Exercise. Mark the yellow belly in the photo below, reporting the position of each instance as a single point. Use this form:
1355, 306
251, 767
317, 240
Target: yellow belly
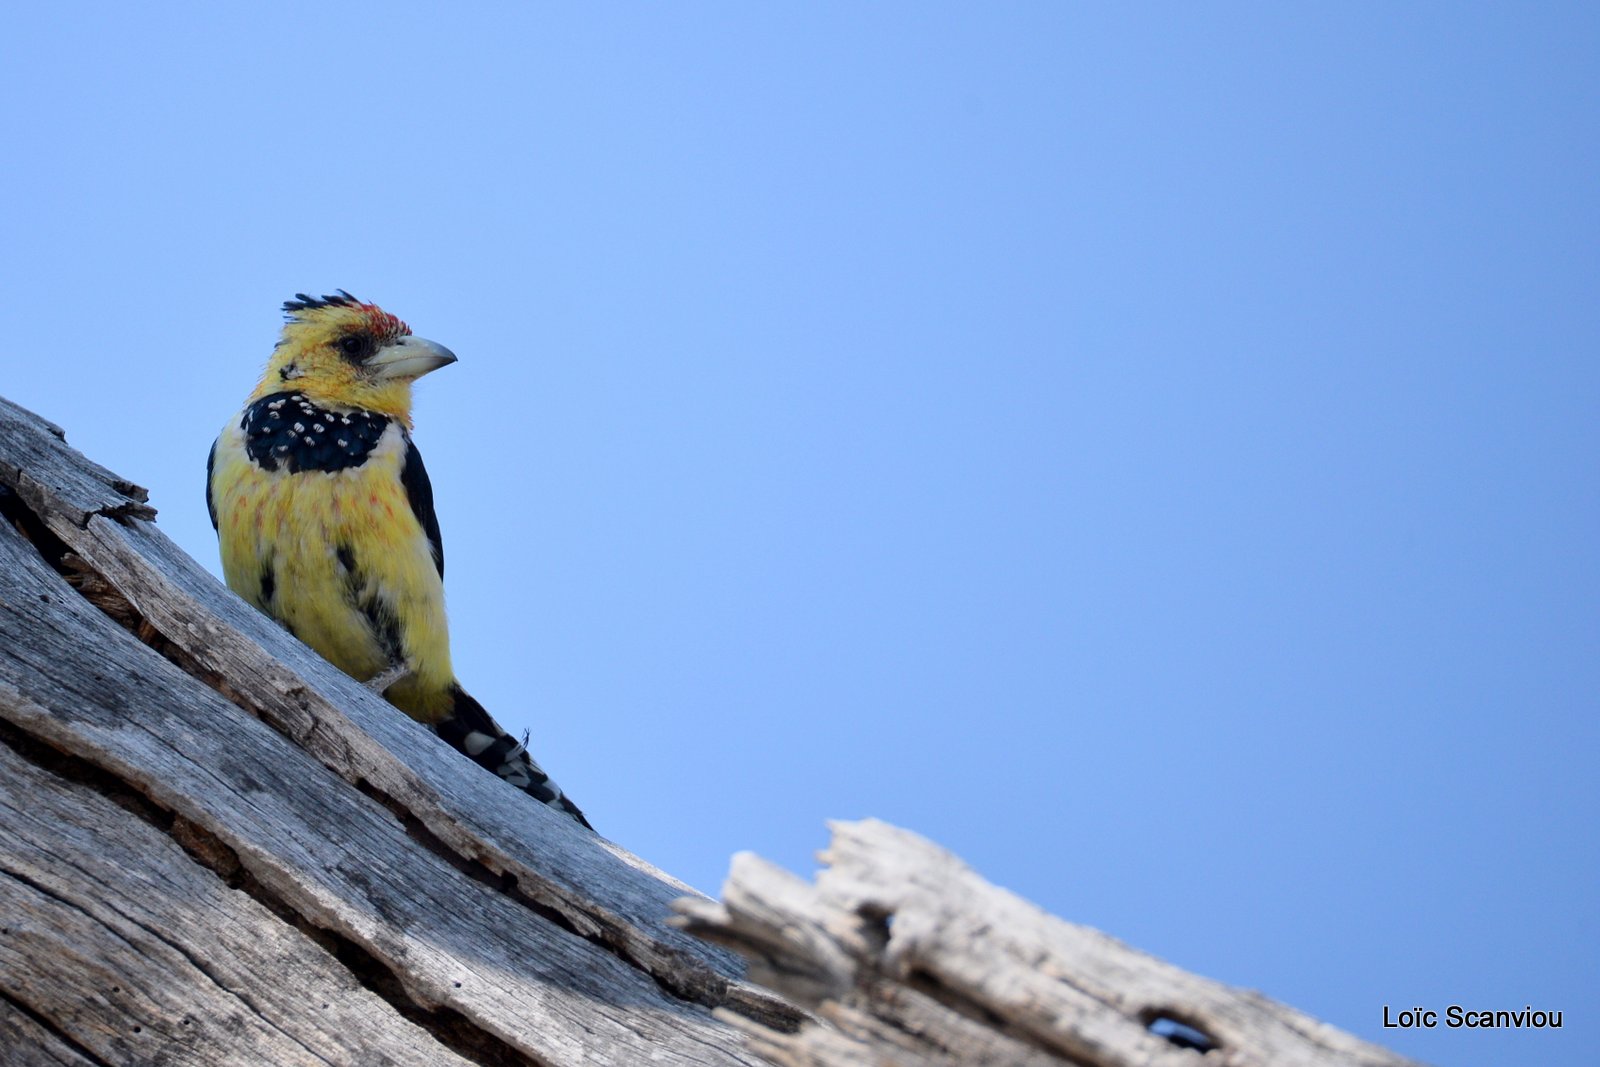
340, 560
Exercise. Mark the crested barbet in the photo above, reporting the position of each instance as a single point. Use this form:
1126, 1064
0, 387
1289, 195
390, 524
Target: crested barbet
324, 515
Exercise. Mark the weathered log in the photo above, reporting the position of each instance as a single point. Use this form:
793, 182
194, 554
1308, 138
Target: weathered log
215, 848
481, 924
907, 957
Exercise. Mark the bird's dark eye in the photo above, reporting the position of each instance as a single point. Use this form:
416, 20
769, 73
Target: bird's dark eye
355, 346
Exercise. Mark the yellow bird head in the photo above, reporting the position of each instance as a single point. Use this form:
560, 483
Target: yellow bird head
339, 351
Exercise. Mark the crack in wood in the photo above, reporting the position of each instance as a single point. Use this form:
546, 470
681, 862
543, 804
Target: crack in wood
449, 1027
506, 883
49, 1027
930, 986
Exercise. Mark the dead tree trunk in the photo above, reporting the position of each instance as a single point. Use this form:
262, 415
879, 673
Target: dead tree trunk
215, 848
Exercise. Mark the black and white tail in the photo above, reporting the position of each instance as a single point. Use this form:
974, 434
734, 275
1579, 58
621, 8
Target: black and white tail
471, 731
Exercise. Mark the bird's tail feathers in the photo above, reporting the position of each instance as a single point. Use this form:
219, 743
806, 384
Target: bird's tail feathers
469, 729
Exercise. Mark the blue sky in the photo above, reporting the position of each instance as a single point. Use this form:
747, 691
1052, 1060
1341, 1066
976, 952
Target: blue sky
1149, 450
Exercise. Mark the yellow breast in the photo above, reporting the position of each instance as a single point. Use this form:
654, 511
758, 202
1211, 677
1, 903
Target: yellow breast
339, 558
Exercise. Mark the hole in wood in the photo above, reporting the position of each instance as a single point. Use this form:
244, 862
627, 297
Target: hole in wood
876, 926
1183, 1034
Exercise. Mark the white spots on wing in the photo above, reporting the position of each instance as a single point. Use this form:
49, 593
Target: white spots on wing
476, 742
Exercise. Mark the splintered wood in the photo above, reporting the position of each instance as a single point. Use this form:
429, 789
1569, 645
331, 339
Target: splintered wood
907, 957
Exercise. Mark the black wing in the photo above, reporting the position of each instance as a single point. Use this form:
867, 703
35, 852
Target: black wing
419, 491
211, 463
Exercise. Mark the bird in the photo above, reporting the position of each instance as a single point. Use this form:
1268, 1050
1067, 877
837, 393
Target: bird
325, 520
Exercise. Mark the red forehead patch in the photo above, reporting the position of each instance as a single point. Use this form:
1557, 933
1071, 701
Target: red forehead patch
383, 323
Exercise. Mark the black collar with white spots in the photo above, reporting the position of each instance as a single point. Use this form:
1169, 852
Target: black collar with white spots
287, 430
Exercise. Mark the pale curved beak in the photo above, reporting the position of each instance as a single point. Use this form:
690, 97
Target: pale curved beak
407, 358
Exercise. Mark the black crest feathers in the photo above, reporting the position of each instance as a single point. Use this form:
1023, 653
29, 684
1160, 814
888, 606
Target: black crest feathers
302, 302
